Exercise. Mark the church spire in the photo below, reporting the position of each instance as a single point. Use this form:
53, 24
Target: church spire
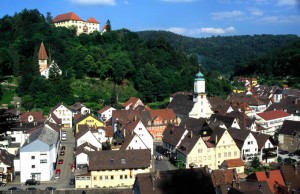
42, 52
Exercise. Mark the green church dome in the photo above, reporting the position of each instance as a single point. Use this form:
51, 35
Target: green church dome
199, 77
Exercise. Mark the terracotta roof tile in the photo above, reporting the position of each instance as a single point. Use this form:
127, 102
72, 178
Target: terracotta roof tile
66, 17
37, 116
290, 127
275, 114
104, 109
234, 162
132, 101
93, 20
109, 131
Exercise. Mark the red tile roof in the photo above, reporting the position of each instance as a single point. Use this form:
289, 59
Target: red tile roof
109, 131
42, 52
275, 114
234, 163
104, 109
37, 116
166, 114
66, 17
93, 20
132, 101
274, 176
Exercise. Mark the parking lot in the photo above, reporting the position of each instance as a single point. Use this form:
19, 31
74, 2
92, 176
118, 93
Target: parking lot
65, 168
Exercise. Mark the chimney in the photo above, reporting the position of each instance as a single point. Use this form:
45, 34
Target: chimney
191, 134
296, 168
153, 181
268, 174
124, 133
216, 139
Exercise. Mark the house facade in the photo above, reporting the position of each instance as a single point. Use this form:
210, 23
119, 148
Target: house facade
113, 168
38, 155
289, 136
105, 113
88, 120
62, 115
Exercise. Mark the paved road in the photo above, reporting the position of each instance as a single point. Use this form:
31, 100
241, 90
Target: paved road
66, 172
164, 164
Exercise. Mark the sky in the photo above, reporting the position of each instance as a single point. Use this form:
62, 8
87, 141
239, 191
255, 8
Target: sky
193, 18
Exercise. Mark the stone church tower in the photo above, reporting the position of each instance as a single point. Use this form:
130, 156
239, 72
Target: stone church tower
43, 58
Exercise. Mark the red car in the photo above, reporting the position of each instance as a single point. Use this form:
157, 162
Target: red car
57, 171
61, 161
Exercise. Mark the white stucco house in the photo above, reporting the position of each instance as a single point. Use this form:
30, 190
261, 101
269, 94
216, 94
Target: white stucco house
272, 120
81, 154
138, 136
105, 113
85, 135
62, 115
38, 155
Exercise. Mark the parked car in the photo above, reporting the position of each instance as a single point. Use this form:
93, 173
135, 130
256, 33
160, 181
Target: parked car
72, 181
31, 189
32, 182
62, 153
281, 152
14, 189
285, 152
2, 184
57, 171
61, 161
57, 176
291, 154
63, 147
50, 188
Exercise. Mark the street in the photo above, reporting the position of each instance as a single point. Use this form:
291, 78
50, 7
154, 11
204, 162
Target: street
161, 164
66, 173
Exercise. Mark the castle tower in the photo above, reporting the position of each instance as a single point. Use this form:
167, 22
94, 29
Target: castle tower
43, 58
199, 88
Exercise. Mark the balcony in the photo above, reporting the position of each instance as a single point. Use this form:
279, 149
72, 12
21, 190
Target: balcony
269, 156
266, 150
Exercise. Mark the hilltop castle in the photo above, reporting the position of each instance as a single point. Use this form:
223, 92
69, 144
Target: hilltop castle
71, 19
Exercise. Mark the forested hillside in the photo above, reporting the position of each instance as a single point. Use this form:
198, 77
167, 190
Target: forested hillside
224, 54
97, 69
106, 69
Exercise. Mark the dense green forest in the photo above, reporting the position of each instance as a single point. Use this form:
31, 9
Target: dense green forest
106, 69
225, 54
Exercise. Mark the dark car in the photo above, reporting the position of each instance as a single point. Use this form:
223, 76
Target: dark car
63, 147
32, 182
72, 181
50, 188
285, 152
2, 184
31, 189
13, 189
291, 154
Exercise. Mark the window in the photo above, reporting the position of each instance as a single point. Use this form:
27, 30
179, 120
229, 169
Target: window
140, 128
229, 154
43, 161
225, 154
250, 142
125, 176
32, 166
199, 150
219, 155
100, 177
95, 178
106, 177
32, 157
123, 161
121, 176
112, 177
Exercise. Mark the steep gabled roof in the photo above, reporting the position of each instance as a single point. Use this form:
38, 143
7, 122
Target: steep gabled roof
271, 115
6, 158
104, 109
262, 139
76, 107
291, 176
188, 143
290, 127
182, 104
42, 52
132, 101
173, 134
84, 117
165, 114
66, 17
37, 116
227, 120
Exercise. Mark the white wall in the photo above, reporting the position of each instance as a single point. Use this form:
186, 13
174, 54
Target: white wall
89, 137
145, 136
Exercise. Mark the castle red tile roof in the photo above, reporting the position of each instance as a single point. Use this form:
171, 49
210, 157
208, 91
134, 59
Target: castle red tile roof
66, 17
42, 52
93, 20
234, 162
271, 115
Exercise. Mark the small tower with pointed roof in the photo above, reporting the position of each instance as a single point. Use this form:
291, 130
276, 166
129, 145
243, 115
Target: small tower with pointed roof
43, 58
199, 87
